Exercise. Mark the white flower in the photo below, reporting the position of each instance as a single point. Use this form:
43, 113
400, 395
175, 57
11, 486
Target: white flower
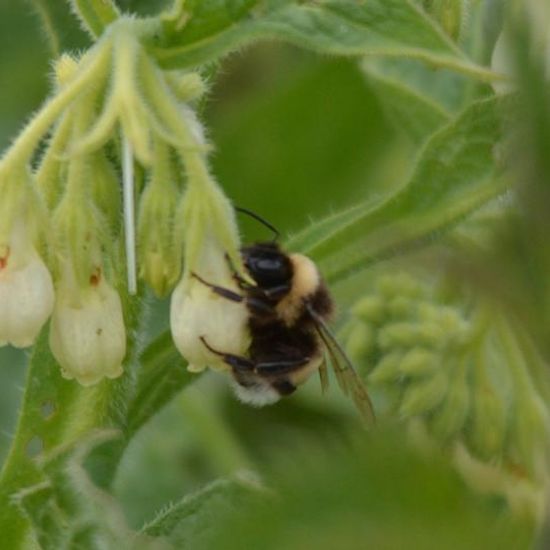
197, 311
26, 289
87, 334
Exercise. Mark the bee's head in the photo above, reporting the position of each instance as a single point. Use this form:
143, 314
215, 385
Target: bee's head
267, 264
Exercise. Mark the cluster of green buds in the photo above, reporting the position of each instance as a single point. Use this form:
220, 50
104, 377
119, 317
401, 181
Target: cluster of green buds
462, 376
118, 128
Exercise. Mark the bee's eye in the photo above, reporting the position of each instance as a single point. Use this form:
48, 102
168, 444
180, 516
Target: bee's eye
268, 269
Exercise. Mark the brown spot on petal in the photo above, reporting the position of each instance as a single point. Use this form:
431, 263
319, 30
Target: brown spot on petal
4, 255
99, 331
95, 277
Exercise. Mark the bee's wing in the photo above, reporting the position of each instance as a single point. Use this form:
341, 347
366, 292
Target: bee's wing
349, 381
323, 374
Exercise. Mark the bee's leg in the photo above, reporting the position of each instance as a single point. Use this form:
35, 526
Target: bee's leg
240, 363
257, 305
237, 362
220, 290
276, 292
242, 282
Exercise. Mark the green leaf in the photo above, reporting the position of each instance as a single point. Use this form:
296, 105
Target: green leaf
417, 100
395, 28
144, 8
377, 493
56, 411
454, 175
39, 505
69, 511
162, 375
95, 15
188, 521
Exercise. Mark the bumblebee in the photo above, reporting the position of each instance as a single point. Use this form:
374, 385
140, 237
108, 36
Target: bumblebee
288, 305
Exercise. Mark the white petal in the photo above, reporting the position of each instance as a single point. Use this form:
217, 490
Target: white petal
197, 312
26, 299
89, 341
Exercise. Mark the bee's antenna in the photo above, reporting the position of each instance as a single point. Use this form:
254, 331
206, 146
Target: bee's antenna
258, 218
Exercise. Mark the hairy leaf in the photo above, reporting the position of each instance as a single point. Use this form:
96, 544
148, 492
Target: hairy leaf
187, 522
416, 99
205, 31
69, 511
454, 175
375, 494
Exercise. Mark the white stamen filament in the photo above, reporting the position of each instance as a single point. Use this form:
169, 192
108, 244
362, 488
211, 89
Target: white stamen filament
129, 214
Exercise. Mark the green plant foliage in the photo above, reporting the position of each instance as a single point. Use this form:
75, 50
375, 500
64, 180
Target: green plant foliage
332, 497
393, 28
453, 176
188, 522
305, 127
162, 375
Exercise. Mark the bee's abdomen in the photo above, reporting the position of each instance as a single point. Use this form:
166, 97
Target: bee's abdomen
276, 340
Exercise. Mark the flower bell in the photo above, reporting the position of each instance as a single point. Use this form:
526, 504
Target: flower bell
87, 334
197, 312
26, 289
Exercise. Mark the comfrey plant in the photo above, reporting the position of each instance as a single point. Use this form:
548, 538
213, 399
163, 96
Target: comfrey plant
108, 202
114, 102
463, 377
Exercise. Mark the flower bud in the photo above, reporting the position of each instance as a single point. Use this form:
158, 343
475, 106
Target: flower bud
387, 368
423, 396
26, 289
450, 417
159, 254
65, 68
359, 342
531, 428
87, 334
419, 362
186, 86
489, 422
370, 309
401, 306
402, 334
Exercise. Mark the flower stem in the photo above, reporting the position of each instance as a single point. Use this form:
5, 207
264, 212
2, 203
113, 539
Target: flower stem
129, 214
22, 149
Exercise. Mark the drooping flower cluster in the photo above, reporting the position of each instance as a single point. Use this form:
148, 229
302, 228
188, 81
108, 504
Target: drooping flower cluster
462, 377
62, 184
